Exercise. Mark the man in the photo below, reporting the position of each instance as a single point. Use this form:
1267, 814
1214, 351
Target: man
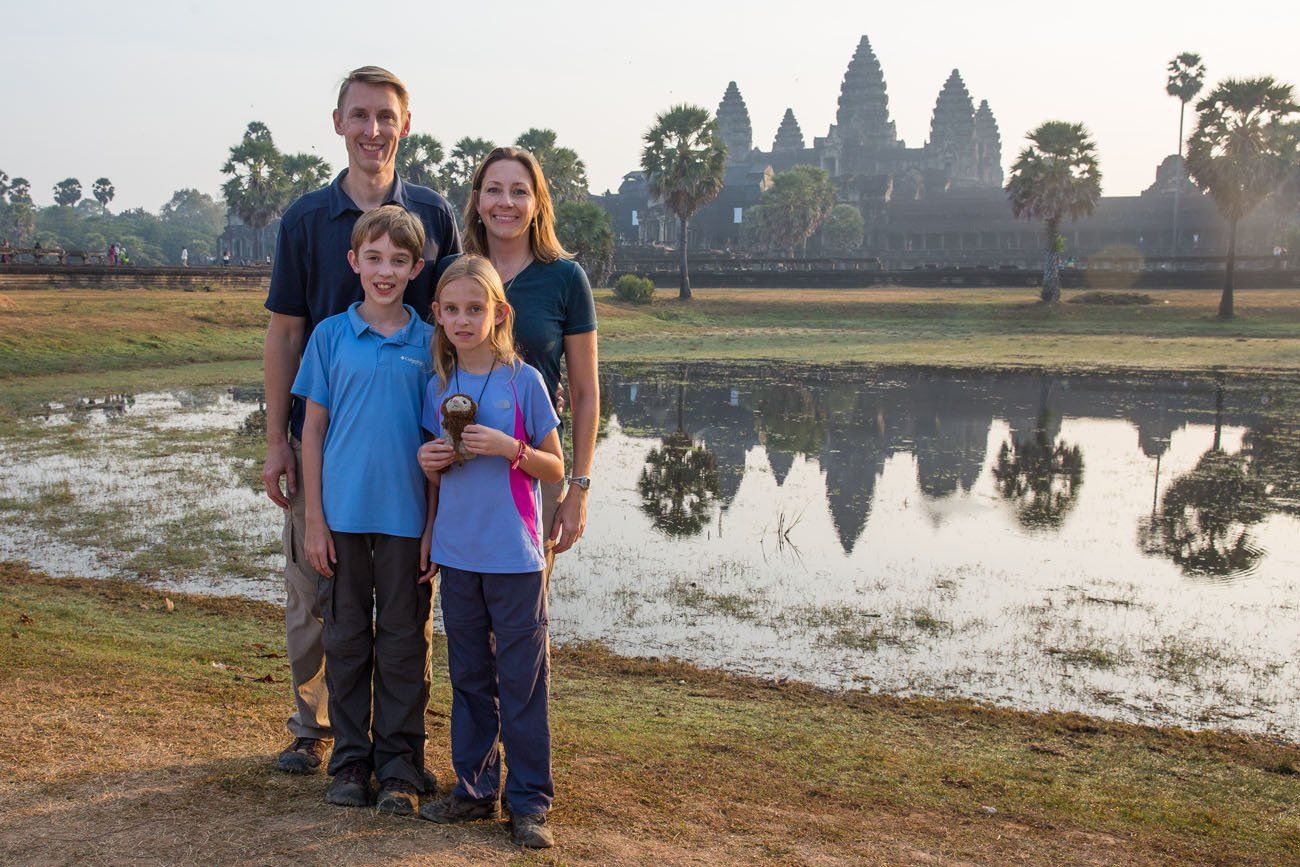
311, 280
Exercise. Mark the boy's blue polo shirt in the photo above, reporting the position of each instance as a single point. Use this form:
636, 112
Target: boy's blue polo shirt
373, 387
312, 278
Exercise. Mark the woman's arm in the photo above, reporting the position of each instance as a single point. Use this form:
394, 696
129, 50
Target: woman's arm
580, 357
319, 544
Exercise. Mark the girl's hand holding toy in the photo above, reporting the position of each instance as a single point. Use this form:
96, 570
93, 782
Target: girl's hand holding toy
482, 440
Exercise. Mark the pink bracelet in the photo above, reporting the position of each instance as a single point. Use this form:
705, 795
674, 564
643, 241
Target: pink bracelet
514, 465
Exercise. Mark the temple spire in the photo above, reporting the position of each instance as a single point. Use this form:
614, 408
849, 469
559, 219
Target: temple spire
952, 131
863, 115
988, 146
733, 124
788, 136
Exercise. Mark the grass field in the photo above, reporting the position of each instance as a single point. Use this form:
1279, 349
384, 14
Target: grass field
139, 731
49, 331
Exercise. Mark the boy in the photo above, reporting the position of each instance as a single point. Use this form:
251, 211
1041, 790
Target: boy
362, 378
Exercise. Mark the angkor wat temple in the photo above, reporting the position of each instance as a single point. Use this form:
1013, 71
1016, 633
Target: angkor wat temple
940, 203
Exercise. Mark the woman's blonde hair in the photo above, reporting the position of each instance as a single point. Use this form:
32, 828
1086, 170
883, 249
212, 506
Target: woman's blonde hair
542, 240
502, 339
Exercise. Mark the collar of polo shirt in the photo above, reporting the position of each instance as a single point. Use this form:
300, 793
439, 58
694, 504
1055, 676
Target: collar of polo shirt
341, 203
407, 335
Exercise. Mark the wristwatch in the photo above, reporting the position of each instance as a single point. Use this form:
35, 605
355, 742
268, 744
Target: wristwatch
583, 482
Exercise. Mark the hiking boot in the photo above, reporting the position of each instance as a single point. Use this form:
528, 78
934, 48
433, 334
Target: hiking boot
531, 832
452, 809
429, 782
350, 786
303, 756
397, 798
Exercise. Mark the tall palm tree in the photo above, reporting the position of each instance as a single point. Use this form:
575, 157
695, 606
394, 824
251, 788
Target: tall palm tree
684, 160
1243, 148
566, 173
795, 205
258, 187
418, 157
104, 192
1056, 178
305, 172
458, 172
1186, 77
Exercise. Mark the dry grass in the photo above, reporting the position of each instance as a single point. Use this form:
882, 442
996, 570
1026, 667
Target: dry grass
124, 743
62, 331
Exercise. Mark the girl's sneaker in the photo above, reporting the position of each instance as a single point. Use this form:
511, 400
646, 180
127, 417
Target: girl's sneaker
531, 832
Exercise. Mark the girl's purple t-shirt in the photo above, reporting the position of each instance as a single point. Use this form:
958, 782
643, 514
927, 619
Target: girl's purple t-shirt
490, 516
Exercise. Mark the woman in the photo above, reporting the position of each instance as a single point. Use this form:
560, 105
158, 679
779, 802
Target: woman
510, 219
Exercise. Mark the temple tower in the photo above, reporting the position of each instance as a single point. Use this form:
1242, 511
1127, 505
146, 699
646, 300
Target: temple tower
988, 146
789, 138
733, 125
862, 120
952, 132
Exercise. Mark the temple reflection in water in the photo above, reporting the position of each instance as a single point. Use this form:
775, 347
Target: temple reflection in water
851, 421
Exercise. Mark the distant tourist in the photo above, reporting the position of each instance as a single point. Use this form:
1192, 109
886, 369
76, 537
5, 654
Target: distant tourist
112, 253
185, 257
310, 282
225, 257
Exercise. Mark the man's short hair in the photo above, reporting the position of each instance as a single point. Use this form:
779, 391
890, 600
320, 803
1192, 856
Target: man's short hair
375, 75
402, 227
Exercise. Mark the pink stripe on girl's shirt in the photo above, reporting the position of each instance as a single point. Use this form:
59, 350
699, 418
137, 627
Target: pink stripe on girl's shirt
521, 484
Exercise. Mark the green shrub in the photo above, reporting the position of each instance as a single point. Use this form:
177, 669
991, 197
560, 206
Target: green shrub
634, 289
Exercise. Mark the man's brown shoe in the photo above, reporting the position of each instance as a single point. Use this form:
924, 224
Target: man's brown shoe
397, 798
303, 756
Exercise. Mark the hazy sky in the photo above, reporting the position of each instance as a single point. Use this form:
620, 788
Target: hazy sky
153, 94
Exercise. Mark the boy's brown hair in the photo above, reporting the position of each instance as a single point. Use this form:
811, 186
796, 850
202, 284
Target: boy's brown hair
375, 75
402, 227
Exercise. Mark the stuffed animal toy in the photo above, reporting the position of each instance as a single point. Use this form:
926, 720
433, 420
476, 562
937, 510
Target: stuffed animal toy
458, 412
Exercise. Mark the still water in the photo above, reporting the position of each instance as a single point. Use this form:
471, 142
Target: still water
1120, 547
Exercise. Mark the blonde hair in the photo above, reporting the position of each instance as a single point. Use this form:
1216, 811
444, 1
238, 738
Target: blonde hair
402, 227
375, 75
542, 240
502, 339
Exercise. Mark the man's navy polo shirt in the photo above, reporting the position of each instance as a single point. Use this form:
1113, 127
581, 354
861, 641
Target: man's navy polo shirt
312, 277
373, 387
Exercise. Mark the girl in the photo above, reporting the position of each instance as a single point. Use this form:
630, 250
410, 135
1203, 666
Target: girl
496, 437
510, 220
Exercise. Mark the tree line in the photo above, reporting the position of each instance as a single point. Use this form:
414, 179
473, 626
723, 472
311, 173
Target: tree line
188, 220
263, 182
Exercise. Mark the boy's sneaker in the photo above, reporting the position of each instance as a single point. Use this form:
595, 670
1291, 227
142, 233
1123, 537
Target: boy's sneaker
303, 756
452, 809
350, 786
531, 832
397, 797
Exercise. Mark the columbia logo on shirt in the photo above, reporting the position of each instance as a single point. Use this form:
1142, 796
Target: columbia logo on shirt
418, 362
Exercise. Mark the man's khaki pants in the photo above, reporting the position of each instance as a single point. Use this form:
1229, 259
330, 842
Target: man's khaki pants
304, 623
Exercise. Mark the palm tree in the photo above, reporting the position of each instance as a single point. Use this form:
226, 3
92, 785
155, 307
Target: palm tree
566, 173
1242, 150
458, 172
1056, 178
67, 191
104, 192
1186, 76
258, 186
683, 160
418, 158
304, 172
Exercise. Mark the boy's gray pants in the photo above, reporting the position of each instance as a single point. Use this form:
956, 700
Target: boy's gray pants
304, 623
376, 615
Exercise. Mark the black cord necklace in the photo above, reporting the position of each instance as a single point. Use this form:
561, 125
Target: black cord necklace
483, 391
